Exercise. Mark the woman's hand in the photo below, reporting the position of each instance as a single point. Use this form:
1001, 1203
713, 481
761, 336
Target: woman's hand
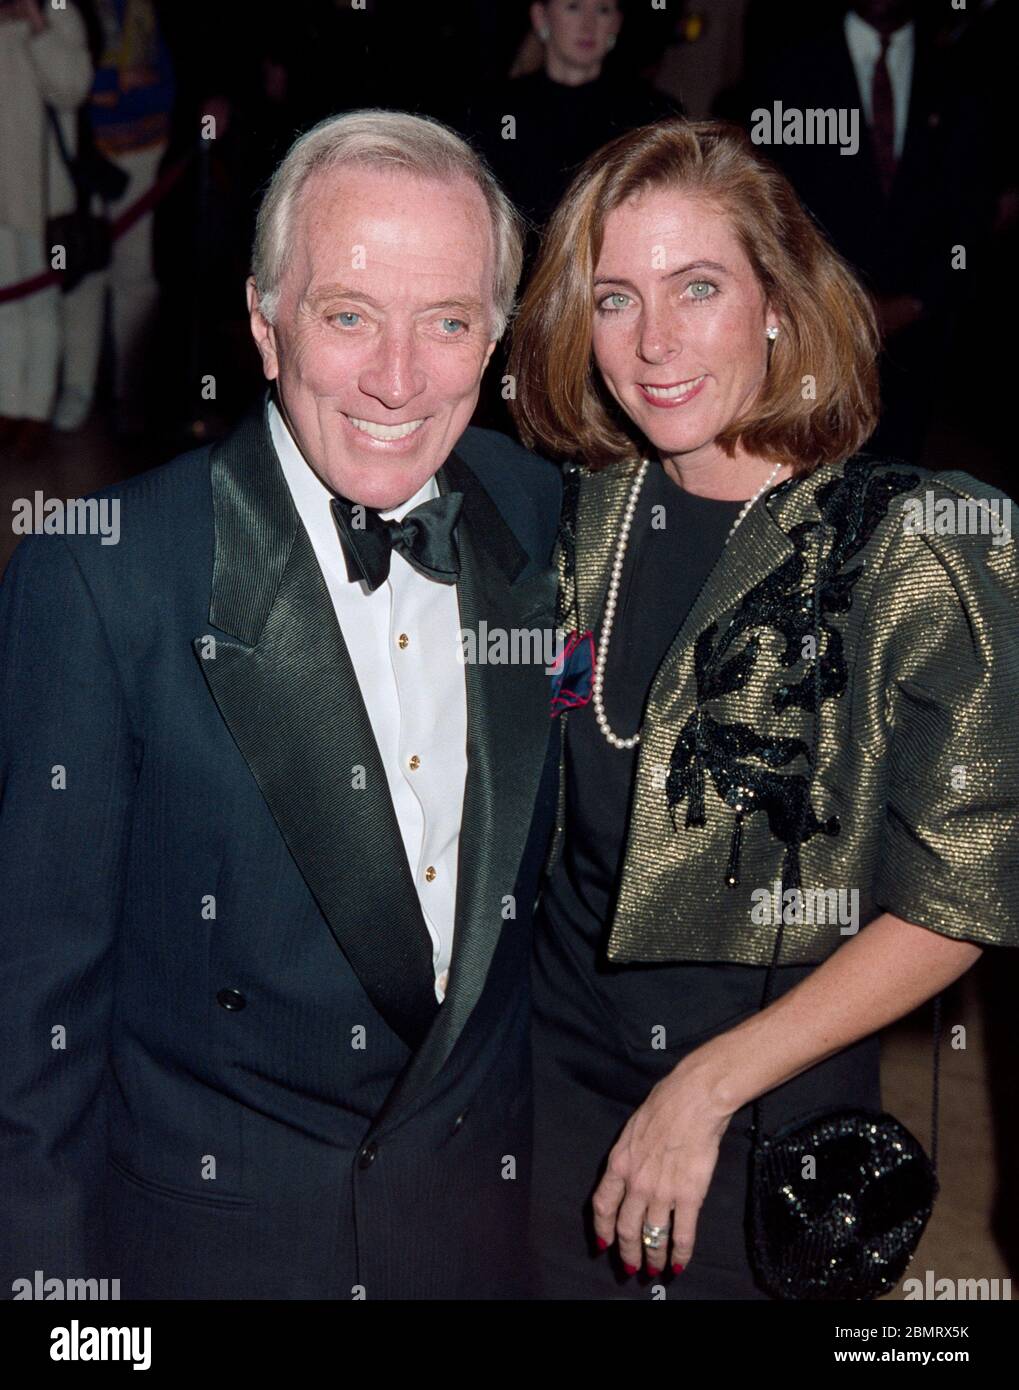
664, 1159
660, 1169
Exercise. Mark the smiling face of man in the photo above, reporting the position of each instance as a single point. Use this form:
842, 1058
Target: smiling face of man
383, 327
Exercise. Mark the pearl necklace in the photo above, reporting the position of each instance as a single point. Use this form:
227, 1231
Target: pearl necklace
613, 594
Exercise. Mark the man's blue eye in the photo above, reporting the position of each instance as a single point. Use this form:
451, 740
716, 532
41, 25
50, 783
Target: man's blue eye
451, 326
345, 315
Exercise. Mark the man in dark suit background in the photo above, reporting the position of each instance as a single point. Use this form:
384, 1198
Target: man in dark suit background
919, 186
269, 843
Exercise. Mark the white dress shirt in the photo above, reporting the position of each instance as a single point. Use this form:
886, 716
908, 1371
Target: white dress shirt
404, 643
865, 48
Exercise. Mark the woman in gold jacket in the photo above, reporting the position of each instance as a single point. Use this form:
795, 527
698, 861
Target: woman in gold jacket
803, 707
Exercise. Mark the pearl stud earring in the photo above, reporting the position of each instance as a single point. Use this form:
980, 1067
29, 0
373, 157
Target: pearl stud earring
771, 333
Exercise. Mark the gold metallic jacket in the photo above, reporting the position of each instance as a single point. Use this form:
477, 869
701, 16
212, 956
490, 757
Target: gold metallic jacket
906, 586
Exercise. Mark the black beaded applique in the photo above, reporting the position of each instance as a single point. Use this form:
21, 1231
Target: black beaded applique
851, 505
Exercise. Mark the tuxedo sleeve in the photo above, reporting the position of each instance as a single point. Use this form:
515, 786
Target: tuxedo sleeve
67, 772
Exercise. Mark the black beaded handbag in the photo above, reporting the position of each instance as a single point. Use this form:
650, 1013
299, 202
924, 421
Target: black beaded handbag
850, 1230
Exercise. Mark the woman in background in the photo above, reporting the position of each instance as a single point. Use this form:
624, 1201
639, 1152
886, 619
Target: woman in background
565, 110
536, 130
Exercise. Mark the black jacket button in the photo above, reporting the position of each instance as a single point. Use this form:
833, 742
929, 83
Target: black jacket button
366, 1157
231, 999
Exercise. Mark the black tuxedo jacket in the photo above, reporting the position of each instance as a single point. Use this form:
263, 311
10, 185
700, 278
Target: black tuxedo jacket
225, 1074
939, 197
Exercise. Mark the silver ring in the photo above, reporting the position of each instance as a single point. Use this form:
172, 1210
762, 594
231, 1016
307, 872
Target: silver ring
651, 1236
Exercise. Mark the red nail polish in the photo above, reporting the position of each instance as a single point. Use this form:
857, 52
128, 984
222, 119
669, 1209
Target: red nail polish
602, 1244
653, 1272
677, 1268
630, 1269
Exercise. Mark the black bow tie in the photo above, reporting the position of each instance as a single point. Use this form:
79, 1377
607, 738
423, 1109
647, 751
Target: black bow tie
425, 538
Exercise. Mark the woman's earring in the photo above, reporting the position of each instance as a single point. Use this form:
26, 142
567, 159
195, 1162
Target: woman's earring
543, 33
612, 42
771, 333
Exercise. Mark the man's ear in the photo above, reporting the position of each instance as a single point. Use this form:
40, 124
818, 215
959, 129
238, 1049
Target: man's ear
488, 353
262, 331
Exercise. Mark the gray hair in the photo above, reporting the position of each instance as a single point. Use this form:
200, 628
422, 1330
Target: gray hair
391, 140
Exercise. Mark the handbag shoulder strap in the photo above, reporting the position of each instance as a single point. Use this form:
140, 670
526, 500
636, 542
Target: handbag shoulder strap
791, 879
935, 1069
65, 155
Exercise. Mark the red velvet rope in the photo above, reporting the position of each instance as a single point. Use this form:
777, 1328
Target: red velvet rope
121, 224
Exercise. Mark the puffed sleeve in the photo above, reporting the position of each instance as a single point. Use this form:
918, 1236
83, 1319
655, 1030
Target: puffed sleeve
945, 624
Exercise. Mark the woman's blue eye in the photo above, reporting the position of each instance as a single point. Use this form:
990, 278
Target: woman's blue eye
703, 285
345, 315
611, 307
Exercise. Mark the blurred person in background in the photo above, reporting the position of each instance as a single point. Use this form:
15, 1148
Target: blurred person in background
44, 61
919, 185
570, 106
130, 110
976, 47
704, 56
537, 129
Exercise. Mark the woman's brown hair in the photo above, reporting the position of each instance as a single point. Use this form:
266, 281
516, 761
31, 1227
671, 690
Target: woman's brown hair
819, 400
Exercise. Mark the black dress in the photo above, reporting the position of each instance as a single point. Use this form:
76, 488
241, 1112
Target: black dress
555, 127
596, 1055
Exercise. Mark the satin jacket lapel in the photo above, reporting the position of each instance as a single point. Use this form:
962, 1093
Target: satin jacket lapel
508, 728
286, 687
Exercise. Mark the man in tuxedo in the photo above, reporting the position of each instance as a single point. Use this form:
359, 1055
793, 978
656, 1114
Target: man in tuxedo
918, 188
269, 843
